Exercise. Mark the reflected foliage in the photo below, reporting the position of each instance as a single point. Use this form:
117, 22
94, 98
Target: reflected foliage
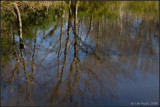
77, 53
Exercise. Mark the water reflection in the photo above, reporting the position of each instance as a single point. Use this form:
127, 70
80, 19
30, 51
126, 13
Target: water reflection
84, 61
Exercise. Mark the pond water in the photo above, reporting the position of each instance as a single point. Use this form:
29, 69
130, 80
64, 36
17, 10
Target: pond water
80, 59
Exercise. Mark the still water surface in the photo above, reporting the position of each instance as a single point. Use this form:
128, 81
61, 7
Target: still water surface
82, 60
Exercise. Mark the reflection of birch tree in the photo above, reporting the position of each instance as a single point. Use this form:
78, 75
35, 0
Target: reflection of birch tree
60, 47
20, 24
90, 27
16, 56
56, 90
33, 57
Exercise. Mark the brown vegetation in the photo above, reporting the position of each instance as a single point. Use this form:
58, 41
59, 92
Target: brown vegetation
31, 5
